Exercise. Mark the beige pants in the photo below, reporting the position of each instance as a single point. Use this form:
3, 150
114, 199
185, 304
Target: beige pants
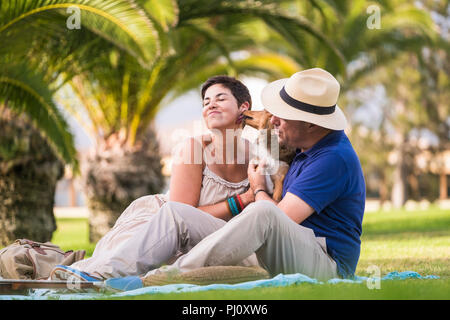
147, 236
281, 245
141, 242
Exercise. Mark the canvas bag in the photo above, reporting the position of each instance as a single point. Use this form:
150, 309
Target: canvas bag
26, 259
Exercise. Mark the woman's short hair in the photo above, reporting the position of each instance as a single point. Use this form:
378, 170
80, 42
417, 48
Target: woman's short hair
237, 88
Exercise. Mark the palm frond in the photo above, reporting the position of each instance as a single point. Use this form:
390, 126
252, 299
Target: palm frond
120, 22
287, 25
269, 66
163, 12
408, 17
24, 91
214, 39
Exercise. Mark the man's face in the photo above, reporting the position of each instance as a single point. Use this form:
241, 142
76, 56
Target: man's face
291, 133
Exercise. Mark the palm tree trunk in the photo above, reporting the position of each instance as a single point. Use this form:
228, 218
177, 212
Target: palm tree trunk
29, 171
26, 208
114, 176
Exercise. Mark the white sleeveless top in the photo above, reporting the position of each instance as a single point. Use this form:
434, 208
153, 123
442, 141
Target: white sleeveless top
216, 189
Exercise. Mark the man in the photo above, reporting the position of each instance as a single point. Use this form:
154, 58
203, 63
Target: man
315, 229
324, 189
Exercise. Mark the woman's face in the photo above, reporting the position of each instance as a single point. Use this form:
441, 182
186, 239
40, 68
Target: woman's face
220, 108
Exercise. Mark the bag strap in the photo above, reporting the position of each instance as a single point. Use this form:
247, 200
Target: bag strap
35, 243
39, 246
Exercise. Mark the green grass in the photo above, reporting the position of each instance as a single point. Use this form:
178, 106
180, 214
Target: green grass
390, 290
73, 234
406, 240
393, 241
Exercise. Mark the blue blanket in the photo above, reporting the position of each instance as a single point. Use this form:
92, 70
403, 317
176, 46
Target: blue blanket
280, 280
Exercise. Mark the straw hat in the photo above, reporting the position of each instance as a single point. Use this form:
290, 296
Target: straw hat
310, 95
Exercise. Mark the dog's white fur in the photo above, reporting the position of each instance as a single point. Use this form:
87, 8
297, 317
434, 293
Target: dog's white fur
260, 153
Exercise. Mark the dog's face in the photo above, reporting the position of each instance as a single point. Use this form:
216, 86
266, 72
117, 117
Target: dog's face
258, 119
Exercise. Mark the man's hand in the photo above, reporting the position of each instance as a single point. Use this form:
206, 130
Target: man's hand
256, 179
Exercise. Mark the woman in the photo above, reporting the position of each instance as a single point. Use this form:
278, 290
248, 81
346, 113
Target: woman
144, 237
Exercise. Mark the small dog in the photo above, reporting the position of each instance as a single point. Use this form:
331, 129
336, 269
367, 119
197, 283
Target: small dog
260, 120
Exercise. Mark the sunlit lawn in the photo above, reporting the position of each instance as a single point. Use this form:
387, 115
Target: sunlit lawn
73, 234
393, 241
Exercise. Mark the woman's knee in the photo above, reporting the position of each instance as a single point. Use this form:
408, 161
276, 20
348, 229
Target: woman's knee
179, 210
170, 207
139, 201
175, 206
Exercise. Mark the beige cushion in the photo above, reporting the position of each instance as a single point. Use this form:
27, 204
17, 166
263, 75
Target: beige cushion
208, 275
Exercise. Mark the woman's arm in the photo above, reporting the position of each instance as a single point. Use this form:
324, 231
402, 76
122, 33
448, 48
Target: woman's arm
187, 173
220, 210
186, 181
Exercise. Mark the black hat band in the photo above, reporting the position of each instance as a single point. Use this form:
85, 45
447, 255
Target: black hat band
305, 106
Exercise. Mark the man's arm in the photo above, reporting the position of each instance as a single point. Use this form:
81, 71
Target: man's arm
295, 208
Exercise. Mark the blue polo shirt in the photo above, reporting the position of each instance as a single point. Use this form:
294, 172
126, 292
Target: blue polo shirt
329, 178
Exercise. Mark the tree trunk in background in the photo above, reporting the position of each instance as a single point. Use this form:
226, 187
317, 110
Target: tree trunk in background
29, 171
413, 183
443, 195
115, 176
399, 196
383, 190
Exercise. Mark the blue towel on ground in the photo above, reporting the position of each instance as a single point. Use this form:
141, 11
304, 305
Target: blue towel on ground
280, 280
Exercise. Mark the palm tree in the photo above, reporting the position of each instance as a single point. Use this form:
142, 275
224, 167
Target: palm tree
54, 50
38, 56
403, 45
357, 49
